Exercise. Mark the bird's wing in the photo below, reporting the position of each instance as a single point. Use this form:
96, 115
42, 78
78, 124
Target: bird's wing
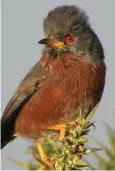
31, 83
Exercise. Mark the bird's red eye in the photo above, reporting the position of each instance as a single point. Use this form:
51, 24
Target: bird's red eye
69, 39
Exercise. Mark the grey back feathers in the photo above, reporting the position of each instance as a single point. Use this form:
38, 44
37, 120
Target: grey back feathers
64, 20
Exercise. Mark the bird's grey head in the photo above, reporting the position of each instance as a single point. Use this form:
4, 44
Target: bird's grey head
67, 28
65, 20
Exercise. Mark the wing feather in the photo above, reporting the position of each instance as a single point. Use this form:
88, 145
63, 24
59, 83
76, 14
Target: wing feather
29, 85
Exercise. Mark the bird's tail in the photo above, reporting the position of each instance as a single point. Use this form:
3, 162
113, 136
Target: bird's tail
6, 135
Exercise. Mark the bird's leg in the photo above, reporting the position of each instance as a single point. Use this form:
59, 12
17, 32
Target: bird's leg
43, 157
62, 128
41, 152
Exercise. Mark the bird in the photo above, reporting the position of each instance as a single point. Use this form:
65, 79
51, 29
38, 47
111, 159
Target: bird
69, 75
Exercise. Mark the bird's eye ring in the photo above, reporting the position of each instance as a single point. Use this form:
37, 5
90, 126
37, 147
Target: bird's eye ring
69, 39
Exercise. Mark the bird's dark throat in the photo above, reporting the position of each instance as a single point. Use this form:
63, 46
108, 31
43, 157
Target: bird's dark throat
53, 52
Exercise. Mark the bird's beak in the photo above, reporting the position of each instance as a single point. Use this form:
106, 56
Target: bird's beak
44, 41
52, 43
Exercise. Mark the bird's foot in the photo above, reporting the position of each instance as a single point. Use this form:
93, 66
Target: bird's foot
62, 128
46, 165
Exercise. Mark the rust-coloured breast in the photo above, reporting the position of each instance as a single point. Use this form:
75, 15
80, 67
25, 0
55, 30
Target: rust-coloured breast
80, 82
